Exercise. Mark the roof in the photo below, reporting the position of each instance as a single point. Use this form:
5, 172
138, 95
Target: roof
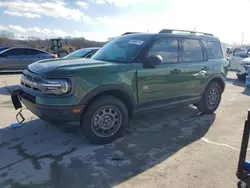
25, 48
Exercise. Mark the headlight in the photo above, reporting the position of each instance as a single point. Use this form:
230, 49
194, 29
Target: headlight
56, 86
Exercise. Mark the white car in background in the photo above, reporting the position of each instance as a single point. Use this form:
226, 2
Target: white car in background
238, 62
243, 66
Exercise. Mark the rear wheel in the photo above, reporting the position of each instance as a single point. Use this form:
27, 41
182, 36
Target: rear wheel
104, 120
210, 99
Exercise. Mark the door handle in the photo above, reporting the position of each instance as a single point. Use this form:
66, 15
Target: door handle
174, 71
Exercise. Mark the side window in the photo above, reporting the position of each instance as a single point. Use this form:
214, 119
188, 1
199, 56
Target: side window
15, 52
167, 48
191, 51
216, 46
33, 52
209, 50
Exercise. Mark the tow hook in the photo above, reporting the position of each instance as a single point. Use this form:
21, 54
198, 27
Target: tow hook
20, 116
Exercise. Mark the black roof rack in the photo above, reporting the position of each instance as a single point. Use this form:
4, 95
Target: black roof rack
193, 32
127, 33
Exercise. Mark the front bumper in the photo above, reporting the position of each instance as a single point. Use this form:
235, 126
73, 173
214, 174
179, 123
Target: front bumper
52, 114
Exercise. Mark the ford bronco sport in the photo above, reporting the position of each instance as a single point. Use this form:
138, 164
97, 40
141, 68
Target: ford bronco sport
131, 73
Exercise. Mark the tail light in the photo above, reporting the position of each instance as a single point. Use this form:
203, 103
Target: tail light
54, 55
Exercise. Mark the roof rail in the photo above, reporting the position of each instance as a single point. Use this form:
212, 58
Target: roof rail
127, 33
193, 32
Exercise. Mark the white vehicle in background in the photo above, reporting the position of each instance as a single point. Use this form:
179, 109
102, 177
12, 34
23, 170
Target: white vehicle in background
243, 67
238, 62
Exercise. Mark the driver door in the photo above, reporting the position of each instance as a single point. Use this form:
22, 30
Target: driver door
162, 82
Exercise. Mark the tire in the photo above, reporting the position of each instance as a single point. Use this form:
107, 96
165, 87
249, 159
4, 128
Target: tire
105, 108
241, 184
241, 77
208, 104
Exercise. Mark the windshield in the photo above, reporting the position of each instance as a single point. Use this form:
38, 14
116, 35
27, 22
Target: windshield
239, 51
78, 54
122, 50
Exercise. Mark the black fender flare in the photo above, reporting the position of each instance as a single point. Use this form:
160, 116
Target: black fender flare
109, 87
217, 77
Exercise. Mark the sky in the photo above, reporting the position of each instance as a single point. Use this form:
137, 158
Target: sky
100, 19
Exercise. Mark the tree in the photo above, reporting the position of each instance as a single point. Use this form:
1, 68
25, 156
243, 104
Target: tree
7, 34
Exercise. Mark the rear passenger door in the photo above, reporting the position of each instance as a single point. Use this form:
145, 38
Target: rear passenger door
197, 68
34, 55
26, 58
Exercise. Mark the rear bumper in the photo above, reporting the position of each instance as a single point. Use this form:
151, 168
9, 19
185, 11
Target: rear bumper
53, 114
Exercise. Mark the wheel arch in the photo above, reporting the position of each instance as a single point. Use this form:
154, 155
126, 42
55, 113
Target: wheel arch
221, 80
119, 91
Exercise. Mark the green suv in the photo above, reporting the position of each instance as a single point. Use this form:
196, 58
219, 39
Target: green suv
129, 74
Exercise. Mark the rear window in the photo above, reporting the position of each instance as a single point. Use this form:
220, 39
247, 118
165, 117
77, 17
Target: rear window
191, 50
213, 49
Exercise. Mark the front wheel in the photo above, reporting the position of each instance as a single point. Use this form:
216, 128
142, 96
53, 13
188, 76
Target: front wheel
104, 120
210, 99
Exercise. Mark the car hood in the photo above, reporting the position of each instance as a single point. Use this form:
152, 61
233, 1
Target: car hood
71, 67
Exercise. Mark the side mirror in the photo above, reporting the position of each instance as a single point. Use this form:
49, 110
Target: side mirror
244, 56
153, 60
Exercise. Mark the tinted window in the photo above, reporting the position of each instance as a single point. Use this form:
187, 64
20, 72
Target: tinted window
33, 52
167, 48
216, 46
191, 50
209, 50
15, 52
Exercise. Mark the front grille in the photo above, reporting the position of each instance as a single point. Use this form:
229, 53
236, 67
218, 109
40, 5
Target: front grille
31, 81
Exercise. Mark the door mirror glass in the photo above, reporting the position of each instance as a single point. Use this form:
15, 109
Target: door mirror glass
154, 60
